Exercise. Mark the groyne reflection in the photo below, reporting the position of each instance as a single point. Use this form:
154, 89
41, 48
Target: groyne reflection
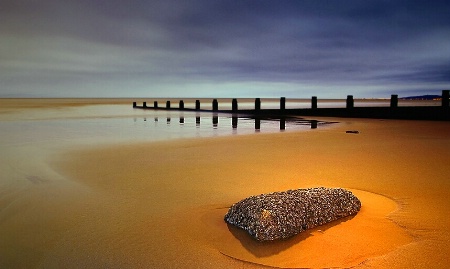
235, 121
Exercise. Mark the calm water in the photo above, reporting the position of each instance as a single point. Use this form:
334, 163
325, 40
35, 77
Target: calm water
98, 124
120, 123
28, 139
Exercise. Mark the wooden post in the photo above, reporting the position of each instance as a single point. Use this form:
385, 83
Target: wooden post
181, 106
258, 104
134, 104
215, 105
155, 104
282, 103
168, 104
394, 100
350, 103
445, 98
234, 105
144, 104
197, 121
197, 104
314, 102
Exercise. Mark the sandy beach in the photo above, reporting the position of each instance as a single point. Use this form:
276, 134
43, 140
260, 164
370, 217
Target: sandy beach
161, 204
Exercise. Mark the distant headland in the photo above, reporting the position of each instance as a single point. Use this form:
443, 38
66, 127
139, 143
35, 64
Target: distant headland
423, 97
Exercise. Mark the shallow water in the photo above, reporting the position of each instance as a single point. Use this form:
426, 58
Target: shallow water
29, 136
120, 123
100, 124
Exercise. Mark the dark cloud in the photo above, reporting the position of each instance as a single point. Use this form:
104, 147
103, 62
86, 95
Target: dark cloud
425, 74
149, 46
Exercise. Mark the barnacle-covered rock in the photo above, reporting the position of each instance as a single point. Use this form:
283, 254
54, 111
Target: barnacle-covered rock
284, 214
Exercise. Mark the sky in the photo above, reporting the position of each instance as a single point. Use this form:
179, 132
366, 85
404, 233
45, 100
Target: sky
223, 48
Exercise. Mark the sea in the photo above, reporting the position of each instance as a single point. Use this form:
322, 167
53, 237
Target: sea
119, 123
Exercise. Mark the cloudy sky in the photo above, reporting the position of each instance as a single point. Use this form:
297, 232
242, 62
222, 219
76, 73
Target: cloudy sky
223, 48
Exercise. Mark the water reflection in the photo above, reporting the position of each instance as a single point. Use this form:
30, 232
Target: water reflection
282, 123
234, 121
257, 123
215, 120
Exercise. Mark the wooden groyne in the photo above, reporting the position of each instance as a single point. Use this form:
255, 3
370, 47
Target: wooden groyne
393, 111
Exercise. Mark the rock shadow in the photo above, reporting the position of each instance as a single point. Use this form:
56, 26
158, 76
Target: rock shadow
270, 248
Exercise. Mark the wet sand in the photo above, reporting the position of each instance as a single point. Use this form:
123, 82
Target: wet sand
161, 205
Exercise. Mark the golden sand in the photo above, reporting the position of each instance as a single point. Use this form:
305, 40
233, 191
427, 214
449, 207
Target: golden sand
161, 205
186, 186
